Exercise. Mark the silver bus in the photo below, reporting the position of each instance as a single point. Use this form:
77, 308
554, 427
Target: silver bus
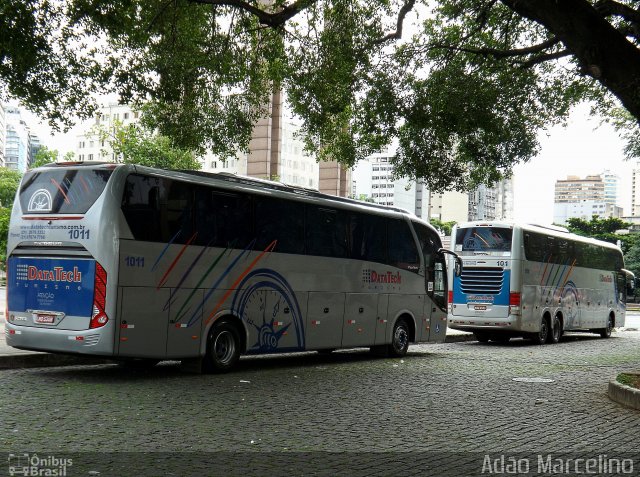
535, 282
142, 265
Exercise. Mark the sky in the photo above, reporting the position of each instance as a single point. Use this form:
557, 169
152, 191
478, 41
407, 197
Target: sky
582, 148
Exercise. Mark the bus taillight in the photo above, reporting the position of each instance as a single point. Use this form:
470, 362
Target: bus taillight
450, 301
514, 303
99, 317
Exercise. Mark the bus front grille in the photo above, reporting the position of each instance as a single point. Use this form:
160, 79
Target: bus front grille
482, 280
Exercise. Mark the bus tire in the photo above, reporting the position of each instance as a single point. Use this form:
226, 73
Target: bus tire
481, 336
223, 348
606, 332
399, 339
541, 336
556, 331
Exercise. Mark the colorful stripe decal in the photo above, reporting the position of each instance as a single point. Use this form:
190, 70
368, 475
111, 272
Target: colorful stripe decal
269, 248
165, 277
164, 250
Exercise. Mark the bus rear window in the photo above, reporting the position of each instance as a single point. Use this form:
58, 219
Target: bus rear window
61, 191
484, 239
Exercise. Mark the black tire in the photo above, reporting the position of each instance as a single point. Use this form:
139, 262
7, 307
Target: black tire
606, 332
541, 336
556, 331
481, 336
223, 348
399, 339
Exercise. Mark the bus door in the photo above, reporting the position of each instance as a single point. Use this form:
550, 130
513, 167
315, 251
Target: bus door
434, 324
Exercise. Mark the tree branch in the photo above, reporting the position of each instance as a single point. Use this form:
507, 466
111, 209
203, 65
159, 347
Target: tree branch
611, 7
502, 53
273, 20
546, 57
396, 35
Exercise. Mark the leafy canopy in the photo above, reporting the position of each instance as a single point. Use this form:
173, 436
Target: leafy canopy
463, 85
135, 145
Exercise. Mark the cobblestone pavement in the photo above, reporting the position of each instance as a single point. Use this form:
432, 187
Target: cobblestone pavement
440, 407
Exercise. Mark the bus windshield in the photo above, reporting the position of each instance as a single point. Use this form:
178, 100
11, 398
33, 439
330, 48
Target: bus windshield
484, 239
62, 191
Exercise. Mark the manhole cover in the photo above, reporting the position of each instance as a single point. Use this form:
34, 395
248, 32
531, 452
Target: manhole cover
533, 380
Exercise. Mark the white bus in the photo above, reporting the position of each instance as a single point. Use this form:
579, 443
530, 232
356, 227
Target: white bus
143, 265
535, 282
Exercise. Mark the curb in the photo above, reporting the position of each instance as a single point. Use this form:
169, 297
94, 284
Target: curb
459, 338
625, 395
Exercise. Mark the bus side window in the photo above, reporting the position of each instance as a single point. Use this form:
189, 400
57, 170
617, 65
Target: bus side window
281, 220
367, 238
223, 219
141, 206
401, 246
326, 232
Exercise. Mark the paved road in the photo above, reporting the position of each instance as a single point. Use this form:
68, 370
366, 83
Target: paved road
439, 411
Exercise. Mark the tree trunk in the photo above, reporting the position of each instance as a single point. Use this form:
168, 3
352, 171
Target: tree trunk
603, 52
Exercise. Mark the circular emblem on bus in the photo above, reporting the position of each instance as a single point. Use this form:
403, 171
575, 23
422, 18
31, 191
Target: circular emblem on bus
40, 201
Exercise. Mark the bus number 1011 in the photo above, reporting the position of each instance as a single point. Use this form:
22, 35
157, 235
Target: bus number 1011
134, 261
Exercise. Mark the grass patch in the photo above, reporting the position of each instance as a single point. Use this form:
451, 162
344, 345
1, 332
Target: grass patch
628, 379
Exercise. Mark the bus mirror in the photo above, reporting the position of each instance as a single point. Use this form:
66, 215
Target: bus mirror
457, 267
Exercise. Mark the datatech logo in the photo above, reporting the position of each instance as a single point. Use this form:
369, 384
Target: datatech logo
371, 276
57, 274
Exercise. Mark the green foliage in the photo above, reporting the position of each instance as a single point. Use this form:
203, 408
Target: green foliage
45, 156
445, 227
604, 229
9, 183
5, 215
134, 145
465, 95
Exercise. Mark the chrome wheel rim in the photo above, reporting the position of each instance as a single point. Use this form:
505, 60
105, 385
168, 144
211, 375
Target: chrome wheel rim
400, 338
224, 347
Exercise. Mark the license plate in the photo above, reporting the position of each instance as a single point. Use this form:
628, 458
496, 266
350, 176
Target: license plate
46, 319
480, 307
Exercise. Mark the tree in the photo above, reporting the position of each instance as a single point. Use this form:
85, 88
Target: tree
445, 227
43, 156
464, 92
134, 145
5, 215
603, 229
9, 183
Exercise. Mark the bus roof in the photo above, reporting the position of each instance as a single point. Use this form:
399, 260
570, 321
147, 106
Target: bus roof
552, 230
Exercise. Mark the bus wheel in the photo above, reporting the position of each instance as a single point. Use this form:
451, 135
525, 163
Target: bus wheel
223, 348
606, 332
556, 331
481, 336
541, 336
399, 339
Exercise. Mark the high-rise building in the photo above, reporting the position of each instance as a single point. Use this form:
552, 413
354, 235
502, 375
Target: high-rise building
611, 181
635, 191
16, 148
372, 180
492, 202
3, 135
585, 198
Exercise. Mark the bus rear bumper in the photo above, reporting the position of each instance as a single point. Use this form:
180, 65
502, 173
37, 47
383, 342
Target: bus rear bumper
512, 323
90, 342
